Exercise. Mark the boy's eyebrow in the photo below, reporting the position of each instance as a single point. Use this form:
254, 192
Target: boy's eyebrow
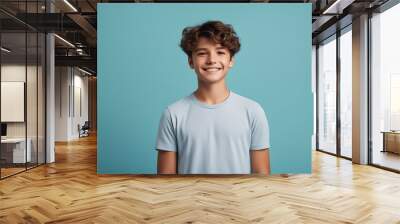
200, 49
205, 49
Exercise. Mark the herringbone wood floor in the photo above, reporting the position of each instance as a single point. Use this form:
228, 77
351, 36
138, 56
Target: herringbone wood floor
70, 191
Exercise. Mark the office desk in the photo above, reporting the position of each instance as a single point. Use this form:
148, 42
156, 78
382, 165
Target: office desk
391, 141
13, 150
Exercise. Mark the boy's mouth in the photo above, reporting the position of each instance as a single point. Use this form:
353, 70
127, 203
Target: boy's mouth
212, 69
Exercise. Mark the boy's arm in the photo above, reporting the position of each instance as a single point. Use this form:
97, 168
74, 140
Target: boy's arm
166, 163
260, 161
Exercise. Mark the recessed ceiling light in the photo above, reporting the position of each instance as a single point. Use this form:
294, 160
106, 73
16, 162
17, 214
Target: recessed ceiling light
84, 71
5, 50
64, 40
337, 7
71, 6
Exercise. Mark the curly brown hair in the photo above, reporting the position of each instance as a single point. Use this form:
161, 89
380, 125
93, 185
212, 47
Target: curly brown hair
216, 31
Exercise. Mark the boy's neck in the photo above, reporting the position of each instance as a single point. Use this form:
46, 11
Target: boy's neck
212, 94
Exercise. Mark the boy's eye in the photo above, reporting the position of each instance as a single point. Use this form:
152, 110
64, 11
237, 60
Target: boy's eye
221, 52
201, 53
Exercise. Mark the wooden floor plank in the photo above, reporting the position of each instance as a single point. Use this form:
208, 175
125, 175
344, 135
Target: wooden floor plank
70, 191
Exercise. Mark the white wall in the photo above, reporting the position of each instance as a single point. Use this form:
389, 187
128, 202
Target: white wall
62, 81
71, 102
79, 110
16, 72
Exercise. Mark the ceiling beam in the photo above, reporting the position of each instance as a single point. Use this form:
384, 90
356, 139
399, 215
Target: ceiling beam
89, 30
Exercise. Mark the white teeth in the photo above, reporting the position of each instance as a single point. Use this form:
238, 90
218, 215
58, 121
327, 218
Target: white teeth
212, 69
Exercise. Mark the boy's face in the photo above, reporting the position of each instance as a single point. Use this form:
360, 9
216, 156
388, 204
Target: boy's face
211, 61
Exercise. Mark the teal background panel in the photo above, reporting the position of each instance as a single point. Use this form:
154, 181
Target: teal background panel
141, 70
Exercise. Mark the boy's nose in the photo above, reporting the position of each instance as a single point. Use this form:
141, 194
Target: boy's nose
211, 59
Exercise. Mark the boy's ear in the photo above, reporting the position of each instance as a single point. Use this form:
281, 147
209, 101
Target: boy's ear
232, 62
190, 60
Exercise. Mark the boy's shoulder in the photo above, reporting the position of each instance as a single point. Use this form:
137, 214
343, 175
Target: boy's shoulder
246, 102
180, 104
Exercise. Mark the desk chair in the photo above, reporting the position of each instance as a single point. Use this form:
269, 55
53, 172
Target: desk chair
84, 130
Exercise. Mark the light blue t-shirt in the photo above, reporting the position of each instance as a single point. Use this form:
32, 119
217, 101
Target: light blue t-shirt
213, 139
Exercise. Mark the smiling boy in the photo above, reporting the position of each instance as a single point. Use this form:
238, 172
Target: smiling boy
213, 130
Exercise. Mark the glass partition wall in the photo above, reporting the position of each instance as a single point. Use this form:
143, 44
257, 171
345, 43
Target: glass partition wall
13, 88
22, 88
334, 118
327, 95
385, 89
345, 61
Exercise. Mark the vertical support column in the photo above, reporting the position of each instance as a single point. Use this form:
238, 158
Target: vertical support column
360, 90
0, 98
92, 99
338, 98
317, 97
50, 92
314, 92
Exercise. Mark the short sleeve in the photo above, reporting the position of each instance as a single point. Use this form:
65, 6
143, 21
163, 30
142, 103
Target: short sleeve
259, 130
166, 137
